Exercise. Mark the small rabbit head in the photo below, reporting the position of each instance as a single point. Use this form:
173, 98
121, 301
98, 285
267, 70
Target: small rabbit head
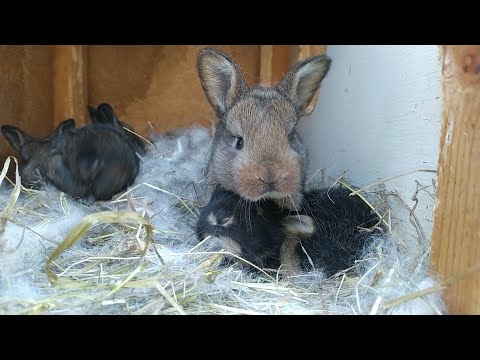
35, 153
256, 150
251, 231
104, 114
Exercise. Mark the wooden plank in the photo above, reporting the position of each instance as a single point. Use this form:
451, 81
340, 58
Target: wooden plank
456, 232
275, 60
266, 54
25, 91
156, 87
305, 51
70, 83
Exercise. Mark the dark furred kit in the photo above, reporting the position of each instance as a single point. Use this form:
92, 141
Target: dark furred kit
328, 233
93, 162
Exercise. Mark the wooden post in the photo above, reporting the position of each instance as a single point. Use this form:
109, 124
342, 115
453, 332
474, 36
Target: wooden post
305, 51
275, 60
69, 83
266, 53
456, 231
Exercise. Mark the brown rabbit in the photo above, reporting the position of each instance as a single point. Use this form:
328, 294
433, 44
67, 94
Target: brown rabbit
256, 150
93, 162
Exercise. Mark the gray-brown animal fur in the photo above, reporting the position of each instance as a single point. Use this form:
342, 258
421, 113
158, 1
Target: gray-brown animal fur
256, 150
93, 162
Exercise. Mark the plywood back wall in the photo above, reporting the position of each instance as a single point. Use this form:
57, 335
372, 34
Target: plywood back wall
25, 90
157, 83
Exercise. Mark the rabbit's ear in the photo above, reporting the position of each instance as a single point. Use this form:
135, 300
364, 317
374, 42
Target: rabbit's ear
303, 80
108, 115
93, 113
300, 225
16, 137
64, 126
221, 79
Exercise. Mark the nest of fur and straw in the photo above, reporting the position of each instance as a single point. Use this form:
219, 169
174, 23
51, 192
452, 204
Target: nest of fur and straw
137, 254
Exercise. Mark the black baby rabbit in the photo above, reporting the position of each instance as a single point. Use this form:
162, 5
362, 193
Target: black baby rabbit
104, 114
327, 232
342, 226
40, 156
93, 162
244, 228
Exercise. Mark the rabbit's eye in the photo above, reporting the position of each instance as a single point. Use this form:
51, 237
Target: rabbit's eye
292, 136
239, 144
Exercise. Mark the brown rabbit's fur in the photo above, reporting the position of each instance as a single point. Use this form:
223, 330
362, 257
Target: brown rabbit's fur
256, 150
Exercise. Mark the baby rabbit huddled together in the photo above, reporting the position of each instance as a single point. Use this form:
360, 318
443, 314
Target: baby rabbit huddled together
329, 232
259, 208
92, 162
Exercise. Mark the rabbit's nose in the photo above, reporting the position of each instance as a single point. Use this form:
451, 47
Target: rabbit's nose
268, 182
268, 186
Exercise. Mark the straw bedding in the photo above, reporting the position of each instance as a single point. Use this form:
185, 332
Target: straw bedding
137, 254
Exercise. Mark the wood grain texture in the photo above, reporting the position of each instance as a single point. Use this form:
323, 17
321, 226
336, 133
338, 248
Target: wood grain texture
305, 51
266, 58
70, 83
25, 91
275, 61
158, 84
456, 232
